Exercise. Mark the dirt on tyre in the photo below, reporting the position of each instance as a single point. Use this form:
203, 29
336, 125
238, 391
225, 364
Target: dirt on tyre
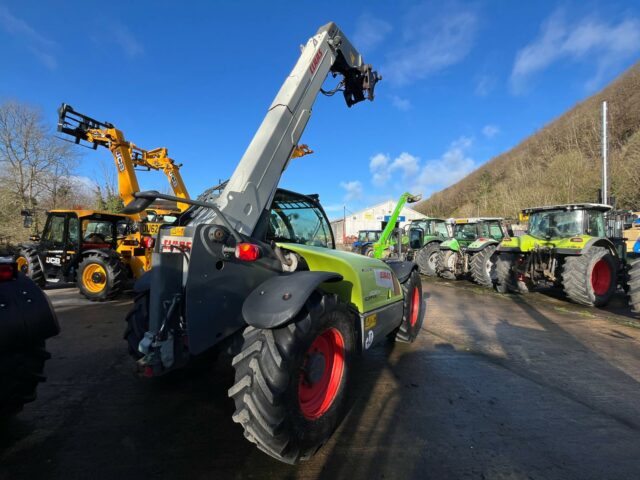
101, 277
413, 310
427, 259
291, 382
506, 281
482, 266
29, 264
21, 369
137, 324
446, 264
590, 279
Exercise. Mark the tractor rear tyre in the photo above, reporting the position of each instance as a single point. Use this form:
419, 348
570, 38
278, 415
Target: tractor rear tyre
137, 324
21, 369
590, 279
290, 381
368, 252
446, 264
427, 259
413, 312
506, 281
101, 277
634, 285
482, 266
29, 264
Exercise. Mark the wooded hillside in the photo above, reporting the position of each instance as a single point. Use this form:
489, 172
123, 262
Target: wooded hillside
561, 163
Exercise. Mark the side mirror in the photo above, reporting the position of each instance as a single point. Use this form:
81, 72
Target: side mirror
416, 238
27, 221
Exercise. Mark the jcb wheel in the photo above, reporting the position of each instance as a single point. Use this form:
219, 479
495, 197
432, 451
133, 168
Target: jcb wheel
21, 369
137, 323
446, 265
427, 259
29, 264
590, 279
290, 382
482, 266
413, 312
101, 277
634, 285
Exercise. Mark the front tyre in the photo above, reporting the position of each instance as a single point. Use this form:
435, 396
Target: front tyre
137, 324
427, 259
413, 311
29, 264
101, 277
290, 382
590, 279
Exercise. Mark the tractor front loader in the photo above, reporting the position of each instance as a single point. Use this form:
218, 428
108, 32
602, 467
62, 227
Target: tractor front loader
566, 246
471, 250
255, 268
425, 237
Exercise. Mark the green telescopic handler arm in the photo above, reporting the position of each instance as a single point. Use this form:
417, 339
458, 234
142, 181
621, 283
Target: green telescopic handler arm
385, 237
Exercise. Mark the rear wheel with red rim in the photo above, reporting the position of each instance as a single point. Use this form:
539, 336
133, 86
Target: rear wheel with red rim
290, 381
590, 278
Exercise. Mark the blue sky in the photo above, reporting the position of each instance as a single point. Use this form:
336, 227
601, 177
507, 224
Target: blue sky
463, 81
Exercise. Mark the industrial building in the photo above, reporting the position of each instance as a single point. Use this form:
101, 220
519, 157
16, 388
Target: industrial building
376, 217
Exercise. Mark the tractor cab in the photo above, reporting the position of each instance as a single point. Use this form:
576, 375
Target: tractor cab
425, 229
565, 221
366, 238
467, 230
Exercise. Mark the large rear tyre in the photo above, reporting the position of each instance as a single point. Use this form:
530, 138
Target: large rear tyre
482, 266
446, 264
634, 285
21, 369
590, 279
506, 281
137, 324
427, 259
290, 381
29, 264
101, 277
413, 311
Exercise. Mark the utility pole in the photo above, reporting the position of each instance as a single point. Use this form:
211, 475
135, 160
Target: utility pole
605, 190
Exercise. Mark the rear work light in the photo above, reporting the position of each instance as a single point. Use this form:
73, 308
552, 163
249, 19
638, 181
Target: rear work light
247, 252
7, 271
147, 242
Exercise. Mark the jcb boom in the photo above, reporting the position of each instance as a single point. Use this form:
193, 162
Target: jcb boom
126, 154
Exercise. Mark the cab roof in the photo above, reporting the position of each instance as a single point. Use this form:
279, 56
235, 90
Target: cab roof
475, 220
92, 213
570, 206
427, 219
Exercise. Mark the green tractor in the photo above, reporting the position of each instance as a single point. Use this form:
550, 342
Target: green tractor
471, 250
392, 242
425, 237
565, 246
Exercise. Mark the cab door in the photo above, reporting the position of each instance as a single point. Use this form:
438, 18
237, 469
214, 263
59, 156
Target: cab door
54, 241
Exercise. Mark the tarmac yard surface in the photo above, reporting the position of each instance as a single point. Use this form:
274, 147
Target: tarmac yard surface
495, 387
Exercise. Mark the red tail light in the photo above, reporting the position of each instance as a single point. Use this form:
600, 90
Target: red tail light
148, 242
247, 252
7, 272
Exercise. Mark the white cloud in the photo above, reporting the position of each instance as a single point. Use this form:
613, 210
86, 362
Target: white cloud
127, 41
41, 47
484, 85
400, 103
490, 131
353, 190
434, 38
382, 168
453, 165
370, 32
589, 40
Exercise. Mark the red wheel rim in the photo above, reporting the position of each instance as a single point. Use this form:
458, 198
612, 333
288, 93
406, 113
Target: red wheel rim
415, 307
601, 277
321, 374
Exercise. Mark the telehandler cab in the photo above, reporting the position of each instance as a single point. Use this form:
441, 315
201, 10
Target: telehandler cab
256, 266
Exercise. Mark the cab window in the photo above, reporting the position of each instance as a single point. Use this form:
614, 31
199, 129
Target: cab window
495, 231
441, 229
74, 231
295, 219
596, 224
97, 231
55, 231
